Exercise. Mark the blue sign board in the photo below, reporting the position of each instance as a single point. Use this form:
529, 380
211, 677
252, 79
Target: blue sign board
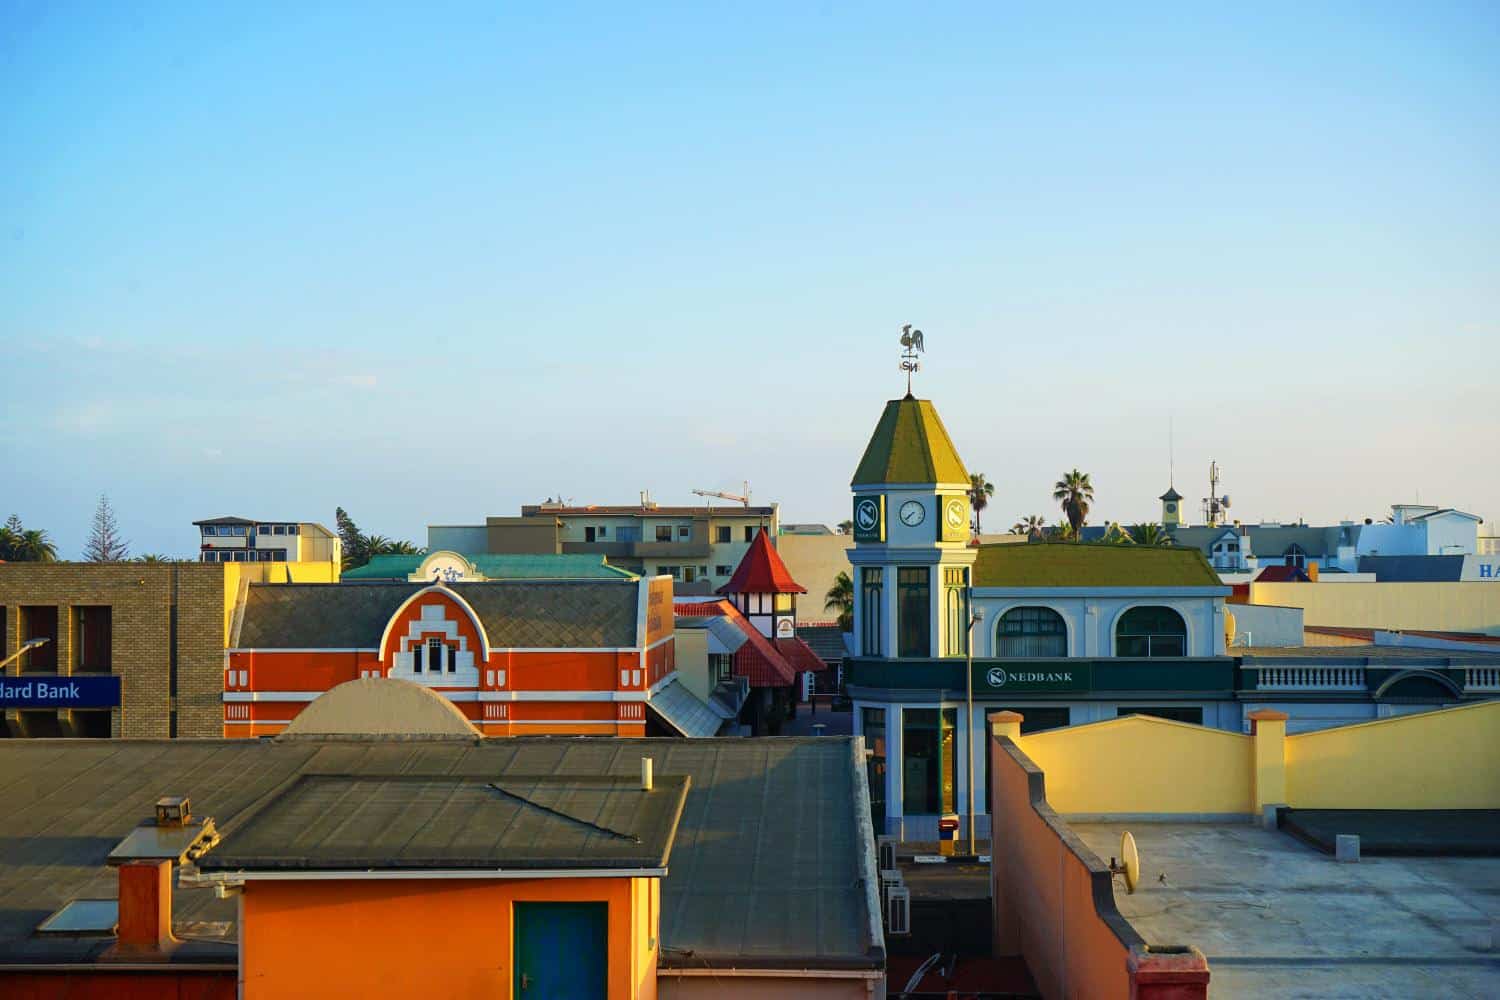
51, 691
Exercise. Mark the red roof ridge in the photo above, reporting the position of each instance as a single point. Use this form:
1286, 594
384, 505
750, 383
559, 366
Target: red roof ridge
761, 571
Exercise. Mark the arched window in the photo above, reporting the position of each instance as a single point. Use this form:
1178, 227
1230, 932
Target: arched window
1031, 632
1295, 555
1151, 631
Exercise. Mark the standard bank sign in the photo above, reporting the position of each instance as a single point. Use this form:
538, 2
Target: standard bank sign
59, 692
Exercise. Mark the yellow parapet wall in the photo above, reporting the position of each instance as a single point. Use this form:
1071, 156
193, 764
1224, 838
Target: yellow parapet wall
1142, 764
1465, 606
1448, 759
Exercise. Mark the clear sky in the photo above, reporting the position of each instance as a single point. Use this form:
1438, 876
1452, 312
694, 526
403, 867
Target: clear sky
429, 262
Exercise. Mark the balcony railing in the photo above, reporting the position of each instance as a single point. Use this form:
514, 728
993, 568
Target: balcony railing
1482, 678
1310, 679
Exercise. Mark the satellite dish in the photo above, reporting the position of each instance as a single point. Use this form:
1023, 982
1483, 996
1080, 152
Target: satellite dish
1129, 864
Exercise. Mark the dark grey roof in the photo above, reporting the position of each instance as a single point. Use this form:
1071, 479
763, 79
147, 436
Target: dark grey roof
1268, 542
226, 520
769, 867
417, 822
825, 640
1413, 569
515, 613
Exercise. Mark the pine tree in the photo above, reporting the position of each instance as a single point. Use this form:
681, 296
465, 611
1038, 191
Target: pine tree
105, 543
13, 524
353, 542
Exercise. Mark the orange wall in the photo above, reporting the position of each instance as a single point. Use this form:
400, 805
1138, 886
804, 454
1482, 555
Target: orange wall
1043, 891
424, 938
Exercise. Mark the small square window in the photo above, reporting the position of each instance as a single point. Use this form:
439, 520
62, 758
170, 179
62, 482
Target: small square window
280, 529
603, 531
683, 531
723, 571
291, 529
663, 532
749, 533
264, 529
722, 534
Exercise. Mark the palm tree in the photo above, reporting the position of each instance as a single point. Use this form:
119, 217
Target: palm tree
1032, 526
1114, 534
840, 598
980, 491
8, 541
36, 546
153, 557
1062, 532
403, 548
846, 527
1150, 534
1075, 493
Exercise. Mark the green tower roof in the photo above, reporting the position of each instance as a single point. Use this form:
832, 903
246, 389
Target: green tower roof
910, 445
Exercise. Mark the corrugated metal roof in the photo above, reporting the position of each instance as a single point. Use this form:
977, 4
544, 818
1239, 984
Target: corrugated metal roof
825, 640
517, 613
683, 711
768, 868
417, 822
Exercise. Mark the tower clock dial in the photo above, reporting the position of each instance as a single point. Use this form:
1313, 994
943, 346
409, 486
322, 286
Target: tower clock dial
912, 513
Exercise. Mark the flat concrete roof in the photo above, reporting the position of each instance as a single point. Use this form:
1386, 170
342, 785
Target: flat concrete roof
1278, 918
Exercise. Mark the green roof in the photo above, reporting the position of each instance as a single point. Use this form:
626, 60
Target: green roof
910, 445
500, 567
1084, 564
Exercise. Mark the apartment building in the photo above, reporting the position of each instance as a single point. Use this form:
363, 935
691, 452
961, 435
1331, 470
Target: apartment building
240, 539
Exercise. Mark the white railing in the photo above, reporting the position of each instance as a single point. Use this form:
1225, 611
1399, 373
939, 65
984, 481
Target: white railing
1482, 678
1310, 679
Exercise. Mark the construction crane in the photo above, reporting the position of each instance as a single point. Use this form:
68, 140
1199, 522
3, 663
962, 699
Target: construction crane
726, 496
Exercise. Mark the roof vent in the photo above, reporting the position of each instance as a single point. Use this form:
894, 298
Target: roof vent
173, 810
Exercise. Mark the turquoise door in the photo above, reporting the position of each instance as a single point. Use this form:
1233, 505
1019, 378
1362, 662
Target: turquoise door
560, 951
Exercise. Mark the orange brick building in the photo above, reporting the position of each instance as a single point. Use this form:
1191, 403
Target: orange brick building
518, 657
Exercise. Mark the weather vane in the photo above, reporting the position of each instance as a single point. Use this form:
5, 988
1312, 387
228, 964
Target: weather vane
911, 340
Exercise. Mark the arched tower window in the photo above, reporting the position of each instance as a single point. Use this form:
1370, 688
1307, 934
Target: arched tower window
1031, 632
1151, 631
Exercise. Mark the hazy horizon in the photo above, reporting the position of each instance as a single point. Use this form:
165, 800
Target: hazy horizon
430, 267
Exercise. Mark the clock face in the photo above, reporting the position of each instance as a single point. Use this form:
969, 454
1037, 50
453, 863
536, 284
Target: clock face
953, 513
1171, 507
912, 513
867, 515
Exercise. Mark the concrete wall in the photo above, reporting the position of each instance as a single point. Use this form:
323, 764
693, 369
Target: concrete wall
466, 539
692, 661
1452, 607
1091, 618
1043, 887
1172, 768
1448, 759
815, 561
1257, 625
441, 938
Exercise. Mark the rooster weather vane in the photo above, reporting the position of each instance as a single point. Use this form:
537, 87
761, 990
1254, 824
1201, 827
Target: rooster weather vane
911, 340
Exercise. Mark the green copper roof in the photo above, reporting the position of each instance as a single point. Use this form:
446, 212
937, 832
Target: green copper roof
910, 445
500, 567
1081, 564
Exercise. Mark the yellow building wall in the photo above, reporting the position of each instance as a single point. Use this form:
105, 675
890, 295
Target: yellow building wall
815, 561
1472, 606
237, 575
1434, 760
1141, 764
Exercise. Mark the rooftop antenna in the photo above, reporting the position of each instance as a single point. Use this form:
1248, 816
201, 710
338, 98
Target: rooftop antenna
1129, 863
911, 341
1215, 507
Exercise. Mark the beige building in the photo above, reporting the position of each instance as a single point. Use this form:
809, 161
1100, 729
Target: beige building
698, 547
240, 539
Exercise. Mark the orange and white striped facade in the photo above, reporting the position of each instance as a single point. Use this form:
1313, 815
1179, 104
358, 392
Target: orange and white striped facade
444, 638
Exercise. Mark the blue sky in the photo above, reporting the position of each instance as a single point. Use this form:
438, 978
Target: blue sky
432, 265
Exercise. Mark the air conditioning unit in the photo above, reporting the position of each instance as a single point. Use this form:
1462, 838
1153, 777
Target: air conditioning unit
885, 849
898, 910
890, 878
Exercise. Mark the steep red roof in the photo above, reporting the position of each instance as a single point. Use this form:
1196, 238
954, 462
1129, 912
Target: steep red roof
761, 572
757, 659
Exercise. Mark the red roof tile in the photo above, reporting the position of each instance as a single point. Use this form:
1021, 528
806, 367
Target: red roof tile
800, 655
761, 572
757, 659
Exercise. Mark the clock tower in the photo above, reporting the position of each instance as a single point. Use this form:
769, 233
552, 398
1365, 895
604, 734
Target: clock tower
1171, 509
911, 557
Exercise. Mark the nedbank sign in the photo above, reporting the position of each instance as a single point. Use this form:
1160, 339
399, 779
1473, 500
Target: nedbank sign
1029, 677
34, 691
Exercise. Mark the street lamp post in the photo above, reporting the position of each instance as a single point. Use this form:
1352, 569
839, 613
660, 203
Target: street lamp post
974, 617
26, 647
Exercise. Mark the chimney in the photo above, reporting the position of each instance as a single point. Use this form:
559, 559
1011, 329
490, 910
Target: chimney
1312, 572
144, 860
